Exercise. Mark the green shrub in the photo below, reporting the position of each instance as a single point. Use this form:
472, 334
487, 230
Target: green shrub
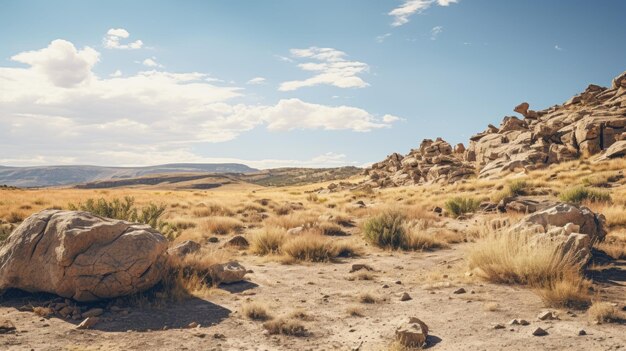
518, 187
386, 230
580, 193
126, 211
461, 205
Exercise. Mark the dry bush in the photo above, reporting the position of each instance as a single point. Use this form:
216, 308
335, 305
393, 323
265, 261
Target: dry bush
268, 240
386, 230
512, 259
310, 247
368, 298
392, 231
221, 225
15, 217
604, 312
331, 229
293, 220
355, 311
211, 209
615, 214
285, 326
43, 311
458, 206
256, 311
301, 315
580, 193
283, 210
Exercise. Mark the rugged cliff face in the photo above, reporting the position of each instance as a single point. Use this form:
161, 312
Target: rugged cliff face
589, 124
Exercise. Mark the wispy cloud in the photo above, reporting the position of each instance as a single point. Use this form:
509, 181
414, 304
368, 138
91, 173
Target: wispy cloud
408, 8
151, 62
434, 33
115, 35
558, 48
331, 68
256, 81
381, 38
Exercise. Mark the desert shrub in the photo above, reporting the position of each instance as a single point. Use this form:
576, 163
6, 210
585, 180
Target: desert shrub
256, 311
604, 312
580, 193
461, 205
221, 225
212, 209
511, 259
368, 298
518, 187
331, 229
386, 230
355, 311
310, 247
15, 217
127, 211
285, 326
268, 240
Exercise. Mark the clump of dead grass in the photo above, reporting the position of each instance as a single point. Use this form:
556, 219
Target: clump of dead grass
256, 311
368, 298
604, 312
268, 240
355, 311
285, 326
221, 225
509, 258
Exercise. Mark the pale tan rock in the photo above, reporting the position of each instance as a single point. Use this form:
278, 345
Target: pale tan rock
230, 272
412, 334
81, 256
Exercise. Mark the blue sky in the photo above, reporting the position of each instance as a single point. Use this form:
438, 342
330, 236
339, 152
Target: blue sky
337, 82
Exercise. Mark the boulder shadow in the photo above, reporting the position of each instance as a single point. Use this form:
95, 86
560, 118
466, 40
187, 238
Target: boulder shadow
431, 341
238, 287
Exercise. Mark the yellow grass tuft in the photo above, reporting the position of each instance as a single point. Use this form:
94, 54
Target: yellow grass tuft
268, 240
255, 311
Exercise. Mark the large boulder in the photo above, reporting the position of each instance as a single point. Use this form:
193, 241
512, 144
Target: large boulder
561, 214
413, 334
82, 256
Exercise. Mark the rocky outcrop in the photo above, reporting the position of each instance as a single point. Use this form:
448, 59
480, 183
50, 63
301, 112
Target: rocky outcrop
574, 228
591, 123
433, 162
82, 256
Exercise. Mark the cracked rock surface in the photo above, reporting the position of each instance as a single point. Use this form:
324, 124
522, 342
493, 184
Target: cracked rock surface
82, 256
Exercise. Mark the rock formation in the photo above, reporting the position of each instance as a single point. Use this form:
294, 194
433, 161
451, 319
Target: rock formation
82, 256
591, 123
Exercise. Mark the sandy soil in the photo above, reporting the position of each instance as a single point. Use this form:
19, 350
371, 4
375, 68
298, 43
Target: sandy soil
325, 291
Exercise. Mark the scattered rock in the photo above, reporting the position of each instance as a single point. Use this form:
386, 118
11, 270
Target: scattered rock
539, 332
82, 256
499, 326
94, 312
185, 248
88, 323
405, 297
582, 332
547, 315
360, 266
6, 327
229, 272
193, 325
213, 239
412, 334
459, 291
238, 241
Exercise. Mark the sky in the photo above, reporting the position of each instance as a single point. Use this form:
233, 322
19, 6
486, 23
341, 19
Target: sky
303, 83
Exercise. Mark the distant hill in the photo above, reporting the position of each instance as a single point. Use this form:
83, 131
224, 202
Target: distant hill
45, 176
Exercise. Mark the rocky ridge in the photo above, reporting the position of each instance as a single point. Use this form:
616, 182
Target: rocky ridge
591, 124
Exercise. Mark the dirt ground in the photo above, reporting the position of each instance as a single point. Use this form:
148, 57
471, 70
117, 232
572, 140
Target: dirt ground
325, 291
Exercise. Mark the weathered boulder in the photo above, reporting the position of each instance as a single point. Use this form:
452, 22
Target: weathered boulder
618, 149
230, 272
562, 214
412, 334
185, 248
82, 256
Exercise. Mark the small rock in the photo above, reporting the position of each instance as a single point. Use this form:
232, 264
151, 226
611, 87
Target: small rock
193, 325
405, 297
523, 322
540, 332
219, 336
213, 239
499, 326
514, 322
6, 327
94, 312
546, 315
238, 241
385, 286
413, 334
88, 323
398, 282
360, 266
582, 332
459, 291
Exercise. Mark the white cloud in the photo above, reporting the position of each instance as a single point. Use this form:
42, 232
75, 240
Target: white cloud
408, 8
331, 69
61, 63
434, 33
113, 37
116, 74
58, 111
558, 48
381, 38
256, 81
151, 62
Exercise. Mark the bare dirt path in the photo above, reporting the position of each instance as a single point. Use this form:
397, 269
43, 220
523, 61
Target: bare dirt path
325, 291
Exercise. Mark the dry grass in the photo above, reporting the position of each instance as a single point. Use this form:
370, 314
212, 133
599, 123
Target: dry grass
268, 240
285, 326
221, 225
368, 298
256, 311
604, 312
314, 247
355, 311
512, 259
